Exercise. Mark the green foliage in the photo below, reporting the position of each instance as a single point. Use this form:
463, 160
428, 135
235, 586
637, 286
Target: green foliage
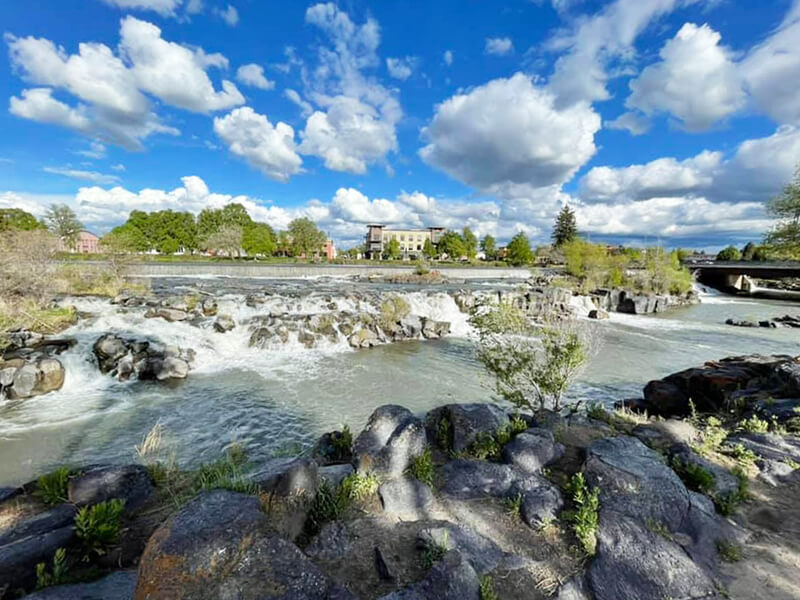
452, 245
357, 487
227, 240
434, 552
754, 424
428, 249
727, 503
489, 246
64, 223
307, 239
225, 473
744, 455
485, 447
731, 253
470, 243
486, 588
712, 436
16, 219
57, 576
695, 476
393, 310
52, 488
519, 250
514, 505
422, 467
258, 239
566, 228
784, 239
98, 526
584, 518
501, 318
330, 503
665, 275
342, 441
729, 551
443, 432
393, 249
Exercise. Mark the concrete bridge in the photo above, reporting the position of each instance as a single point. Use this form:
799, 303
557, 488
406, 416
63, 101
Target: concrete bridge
739, 276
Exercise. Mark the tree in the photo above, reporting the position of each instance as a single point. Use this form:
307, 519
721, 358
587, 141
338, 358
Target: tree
731, 253
784, 239
428, 249
489, 246
470, 243
452, 245
519, 250
258, 239
16, 219
393, 250
228, 241
284, 243
749, 251
63, 223
235, 214
307, 239
566, 228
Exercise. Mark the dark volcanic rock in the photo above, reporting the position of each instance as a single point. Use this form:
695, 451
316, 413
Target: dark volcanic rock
532, 450
117, 586
130, 483
392, 438
466, 422
452, 578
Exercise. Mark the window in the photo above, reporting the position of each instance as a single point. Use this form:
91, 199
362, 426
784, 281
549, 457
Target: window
402, 237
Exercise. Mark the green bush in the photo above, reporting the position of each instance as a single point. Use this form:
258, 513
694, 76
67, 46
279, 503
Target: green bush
57, 576
52, 488
695, 476
754, 424
729, 551
487, 589
98, 526
584, 518
422, 467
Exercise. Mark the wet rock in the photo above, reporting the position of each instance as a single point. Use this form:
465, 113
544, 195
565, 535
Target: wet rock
598, 313
117, 586
391, 439
224, 324
532, 450
434, 329
33, 540
407, 499
464, 423
209, 307
126, 358
168, 314
363, 338
130, 483
28, 379
333, 447
220, 546
411, 326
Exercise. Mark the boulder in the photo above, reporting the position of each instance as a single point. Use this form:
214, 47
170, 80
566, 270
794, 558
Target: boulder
411, 326
333, 475
598, 313
391, 439
777, 455
332, 447
208, 306
541, 502
31, 541
126, 358
287, 477
130, 483
117, 586
434, 329
363, 338
452, 578
464, 423
168, 314
24, 379
407, 499
220, 546
224, 324
532, 450
725, 482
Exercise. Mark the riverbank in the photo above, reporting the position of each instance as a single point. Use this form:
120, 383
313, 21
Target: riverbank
465, 501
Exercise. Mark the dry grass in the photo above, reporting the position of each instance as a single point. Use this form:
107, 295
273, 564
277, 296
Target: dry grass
32, 314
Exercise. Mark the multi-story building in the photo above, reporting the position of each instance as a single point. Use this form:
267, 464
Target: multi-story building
411, 241
85, 243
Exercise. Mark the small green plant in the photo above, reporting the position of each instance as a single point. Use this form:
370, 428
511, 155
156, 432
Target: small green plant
342, 441
422, 467
791, 463
443, 429
485, 447
52, 488
57, 576
225, 473
517, 424
659, 528
487, 589
743, 455
358, 486
434, 552
694, 418
514, 505
584, 518
712, 435
328, 504
727, 503
754, 424
695, 476
98, 526
597, 411
729, 551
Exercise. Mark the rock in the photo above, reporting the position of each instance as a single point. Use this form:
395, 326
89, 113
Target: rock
663, 435
29, 379
541, 502
574, 589
469, 479
130, 483
117, 586
224, 324
465, 423
407, 499
725, 483
220, 546
434, 329
126, 358
209, 307
598, 313
777, 454
479, 551
333, 475
391, 439
287, 477
736, 323
452, 578
411, 326
363, 338
168, 314
332, 542
108, 348
333, 447
33, 540
532, 450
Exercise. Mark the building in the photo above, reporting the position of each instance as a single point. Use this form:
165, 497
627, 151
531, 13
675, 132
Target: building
329, 250
85, 243
411, 241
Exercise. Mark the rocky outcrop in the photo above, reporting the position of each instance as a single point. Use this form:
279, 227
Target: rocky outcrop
130, 483
21, 378
141, 359
457, 426
117, 586
392, 437
790, 321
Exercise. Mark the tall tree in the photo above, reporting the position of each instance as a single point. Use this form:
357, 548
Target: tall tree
566, 228
235, 214
393, 250
258, 239
784, 239
284, 243
519, 250
470, 243
452, 245
64, 223
228, 241
489, 246
731, 253
307, 239
16, 219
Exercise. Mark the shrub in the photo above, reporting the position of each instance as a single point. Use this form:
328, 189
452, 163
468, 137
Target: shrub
584, 518
729, 551
434, 552
57, 576
727, 503
695, 476
357, 487
98, 526
514, 505
754, 424
487, 589
343, 441
52, 488
422, 467
485, 447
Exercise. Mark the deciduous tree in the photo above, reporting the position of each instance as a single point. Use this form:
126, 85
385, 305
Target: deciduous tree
63, 223
307, 239
519, 250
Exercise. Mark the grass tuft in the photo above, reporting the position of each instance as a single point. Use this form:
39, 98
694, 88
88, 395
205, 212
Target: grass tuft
434, 552
729, 551
487, 589
422, 467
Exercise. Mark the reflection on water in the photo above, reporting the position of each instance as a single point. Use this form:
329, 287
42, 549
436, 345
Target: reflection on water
271, 398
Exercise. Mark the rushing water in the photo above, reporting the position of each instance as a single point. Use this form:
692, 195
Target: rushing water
271, 399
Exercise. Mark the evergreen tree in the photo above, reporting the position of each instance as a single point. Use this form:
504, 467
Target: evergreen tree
566, 228
489, 247
519, 250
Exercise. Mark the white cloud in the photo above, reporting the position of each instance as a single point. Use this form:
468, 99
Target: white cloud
508, 132
499, 46
118, 167
92, 176
772, 69
696, 80
305, 107
96, 150
230, 15
26, 202
634, 123
166, 8
174, 73
352, 205
401, 68
253, 75
271, 149
448, 57
39, 105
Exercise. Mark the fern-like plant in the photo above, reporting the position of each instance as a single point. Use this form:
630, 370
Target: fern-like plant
52, 488
98, 526
57, 576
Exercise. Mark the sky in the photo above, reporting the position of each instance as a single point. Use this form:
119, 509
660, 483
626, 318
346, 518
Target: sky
657, 121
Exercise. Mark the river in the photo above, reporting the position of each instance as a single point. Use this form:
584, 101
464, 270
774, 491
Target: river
274, 400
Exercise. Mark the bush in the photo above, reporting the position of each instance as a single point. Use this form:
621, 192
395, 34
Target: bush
57, 576
695, 476
52, 488
422, 468
98, 526
754, 424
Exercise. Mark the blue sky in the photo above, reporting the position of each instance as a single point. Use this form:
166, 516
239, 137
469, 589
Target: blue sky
657, 120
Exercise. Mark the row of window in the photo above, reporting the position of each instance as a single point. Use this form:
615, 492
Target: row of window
402, 237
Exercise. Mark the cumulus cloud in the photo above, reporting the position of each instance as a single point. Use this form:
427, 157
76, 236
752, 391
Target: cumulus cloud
271, 149
508, 132
499, 46
39, 105
401, 68
295, 98
696, 80
92, 176
253, 75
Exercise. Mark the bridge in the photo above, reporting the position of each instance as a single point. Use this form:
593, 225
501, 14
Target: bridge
739, 276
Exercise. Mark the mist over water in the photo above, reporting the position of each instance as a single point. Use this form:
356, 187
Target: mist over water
269, 399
